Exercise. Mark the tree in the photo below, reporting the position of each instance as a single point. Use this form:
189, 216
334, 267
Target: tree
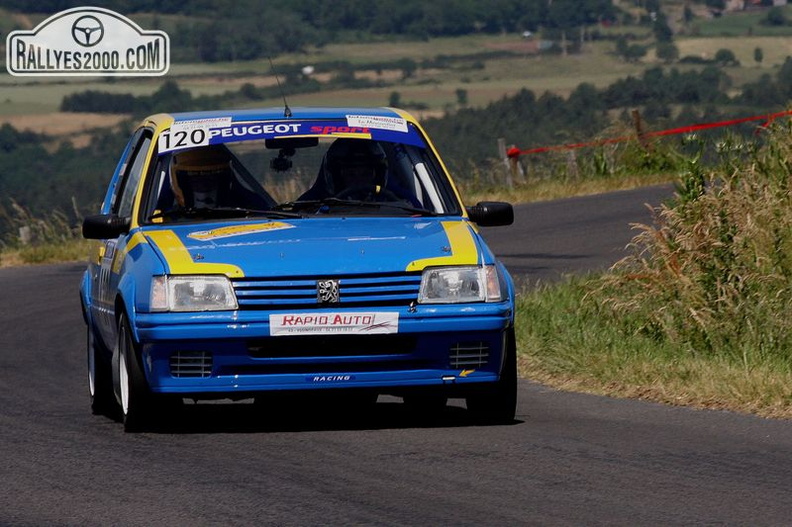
394, 100
688, 15
725, 57
667, 52
462, 97
661, 29
621, 46
635, 53
758, 55
775, 17
408, 67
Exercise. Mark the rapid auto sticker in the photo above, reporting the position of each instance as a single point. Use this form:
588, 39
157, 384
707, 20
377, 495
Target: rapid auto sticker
333, 323
238, 230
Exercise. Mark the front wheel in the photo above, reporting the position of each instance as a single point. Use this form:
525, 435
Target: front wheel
100, 377
497, 403
137, 408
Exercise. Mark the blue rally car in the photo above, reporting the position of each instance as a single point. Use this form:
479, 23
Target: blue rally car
259, 253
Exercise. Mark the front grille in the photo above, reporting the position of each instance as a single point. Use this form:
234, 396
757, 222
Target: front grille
373, 290
191, 364
469, 354
332, 346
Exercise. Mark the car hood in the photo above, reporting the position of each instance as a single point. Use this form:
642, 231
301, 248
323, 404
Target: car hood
325, 246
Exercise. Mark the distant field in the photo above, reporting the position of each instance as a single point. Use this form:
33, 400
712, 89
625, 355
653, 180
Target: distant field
484, 81
24, 95
774, 49
61, 123
433, 88
741, 24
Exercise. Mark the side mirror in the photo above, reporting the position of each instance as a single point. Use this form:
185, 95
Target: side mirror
491, 213
104, 226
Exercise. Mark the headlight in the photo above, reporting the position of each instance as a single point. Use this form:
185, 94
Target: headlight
451, 285
192, 293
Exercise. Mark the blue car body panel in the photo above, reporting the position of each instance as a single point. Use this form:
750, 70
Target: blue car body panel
275, 265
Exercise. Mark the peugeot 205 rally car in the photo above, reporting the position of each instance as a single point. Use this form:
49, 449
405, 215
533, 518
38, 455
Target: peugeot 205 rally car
258, 252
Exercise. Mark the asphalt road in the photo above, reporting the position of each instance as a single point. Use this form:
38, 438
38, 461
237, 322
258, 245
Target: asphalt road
554, 238
570, 459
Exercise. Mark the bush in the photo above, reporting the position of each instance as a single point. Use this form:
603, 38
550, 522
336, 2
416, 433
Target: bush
726, 57
775, 17
713, 274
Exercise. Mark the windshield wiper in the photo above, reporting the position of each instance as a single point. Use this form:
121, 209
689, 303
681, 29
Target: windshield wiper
319, 203
225, 212
268, 213
406, 207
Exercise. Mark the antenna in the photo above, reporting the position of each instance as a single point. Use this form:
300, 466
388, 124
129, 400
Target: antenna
286, 110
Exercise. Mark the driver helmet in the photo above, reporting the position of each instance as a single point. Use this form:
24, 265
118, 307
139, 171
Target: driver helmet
352, 163
198, 176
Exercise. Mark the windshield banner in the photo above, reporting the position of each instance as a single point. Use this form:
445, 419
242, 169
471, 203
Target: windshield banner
202, 132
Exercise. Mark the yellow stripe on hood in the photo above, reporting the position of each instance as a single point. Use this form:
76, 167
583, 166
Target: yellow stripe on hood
180, 261
462, 245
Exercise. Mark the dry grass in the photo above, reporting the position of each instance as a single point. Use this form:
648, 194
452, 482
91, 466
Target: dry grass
697, 383
699, 314
51, 238
775, 49
714, 272
566, 339
61, 123
549, 189
75, 250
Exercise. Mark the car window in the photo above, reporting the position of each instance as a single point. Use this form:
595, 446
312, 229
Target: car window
132, 175
122, 170
336, 175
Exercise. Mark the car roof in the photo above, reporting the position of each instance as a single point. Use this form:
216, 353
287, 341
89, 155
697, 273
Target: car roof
277, 113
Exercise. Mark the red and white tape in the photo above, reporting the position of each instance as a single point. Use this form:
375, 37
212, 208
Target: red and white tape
516, 152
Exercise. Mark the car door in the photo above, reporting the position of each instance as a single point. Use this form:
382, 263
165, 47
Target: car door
121, 204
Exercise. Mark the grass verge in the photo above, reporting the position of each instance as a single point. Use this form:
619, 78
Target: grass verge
550, 189
72, 250
698, 314
569, 340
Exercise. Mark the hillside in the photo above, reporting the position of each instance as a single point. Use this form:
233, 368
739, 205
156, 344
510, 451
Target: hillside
544, 77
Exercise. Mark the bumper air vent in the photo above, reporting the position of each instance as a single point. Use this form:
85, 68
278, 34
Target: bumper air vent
464, 355
191, 364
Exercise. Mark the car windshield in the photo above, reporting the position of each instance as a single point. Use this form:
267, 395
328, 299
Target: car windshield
298, 177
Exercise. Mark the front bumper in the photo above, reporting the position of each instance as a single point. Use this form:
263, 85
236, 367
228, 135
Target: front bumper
233, 353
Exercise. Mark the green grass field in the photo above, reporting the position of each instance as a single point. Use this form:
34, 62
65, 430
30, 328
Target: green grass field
433, 88
742, 24
774, 49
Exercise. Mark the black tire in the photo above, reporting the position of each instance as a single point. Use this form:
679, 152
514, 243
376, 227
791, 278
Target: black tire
100, 378
136, 400
497, 403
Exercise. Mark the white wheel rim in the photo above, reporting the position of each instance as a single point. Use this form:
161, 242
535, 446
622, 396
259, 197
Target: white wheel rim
123, 375
91, 364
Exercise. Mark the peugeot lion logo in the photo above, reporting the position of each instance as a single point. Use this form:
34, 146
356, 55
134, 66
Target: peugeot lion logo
327, 291
87, 31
